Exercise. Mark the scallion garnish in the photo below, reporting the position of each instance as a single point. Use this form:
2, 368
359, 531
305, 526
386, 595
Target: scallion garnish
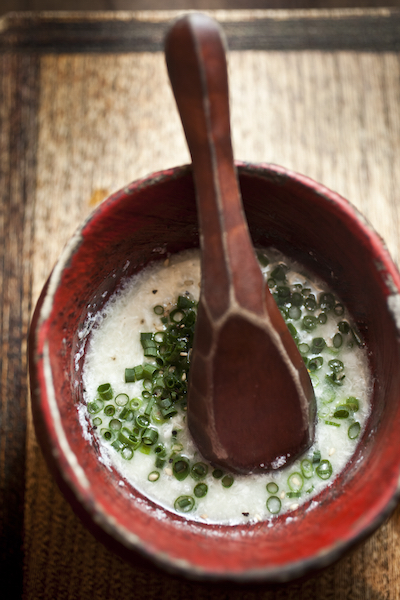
342, 412
217, 473
227, 481
324, 469
272, 487
105, 391
95, 406
354, 430
199, 471
184, 504
109, 410
180, 468
121, 399
307, 468
274, 505
295, 481
200, 490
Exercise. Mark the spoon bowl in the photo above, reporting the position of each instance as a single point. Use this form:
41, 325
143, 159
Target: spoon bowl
145, 222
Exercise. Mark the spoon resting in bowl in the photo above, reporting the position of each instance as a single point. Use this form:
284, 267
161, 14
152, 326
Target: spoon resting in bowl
251, 404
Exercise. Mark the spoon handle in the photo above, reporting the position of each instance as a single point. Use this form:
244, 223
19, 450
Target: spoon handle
196, 62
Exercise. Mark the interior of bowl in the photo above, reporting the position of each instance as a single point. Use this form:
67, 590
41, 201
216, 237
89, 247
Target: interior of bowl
145, 222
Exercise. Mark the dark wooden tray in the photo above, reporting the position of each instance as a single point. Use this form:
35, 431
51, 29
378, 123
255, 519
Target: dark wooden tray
85, 108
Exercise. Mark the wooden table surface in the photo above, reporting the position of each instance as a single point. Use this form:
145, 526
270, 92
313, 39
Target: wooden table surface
85, 108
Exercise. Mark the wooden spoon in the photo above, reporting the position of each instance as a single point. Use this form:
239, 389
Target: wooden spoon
251, 405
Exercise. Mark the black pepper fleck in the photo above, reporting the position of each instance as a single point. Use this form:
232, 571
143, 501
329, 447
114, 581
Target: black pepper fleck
155, 291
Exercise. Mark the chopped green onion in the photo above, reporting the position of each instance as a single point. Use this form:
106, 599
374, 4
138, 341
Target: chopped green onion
322, 318
295, 481
107, 434
294, 313
297, 299
354, 430
126, 438
149, 407
95, 406
105, 391
127, 453
336, 365
293, 494
142, 421
185, 302
326, 301
158, 310
303, 348
200, 490
310, 303
148, 370
342, 412
307, 468
115, 424
153, 476
180, 468
199, 470
109, 410
279, 273
274, 505
130, 375
315, 363
150, 436
317, 345
337, 340
353, 403
283, 293
117, 445
309, 322
332, 423
344, 327
121, 399
160, 463
316, 457
227, 481
324, 469
335, 379
97, 421
176, 315
126, 414
184, 504
217, 473
262, 259
160, 450
272, 487
135, 403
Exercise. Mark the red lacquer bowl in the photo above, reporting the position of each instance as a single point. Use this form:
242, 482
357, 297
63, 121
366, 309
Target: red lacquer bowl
142, 223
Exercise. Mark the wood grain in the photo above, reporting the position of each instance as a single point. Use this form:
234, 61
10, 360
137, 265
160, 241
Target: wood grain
74, 125
368, 30
18, 110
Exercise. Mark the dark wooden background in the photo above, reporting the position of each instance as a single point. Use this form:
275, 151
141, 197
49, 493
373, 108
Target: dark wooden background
29, 5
